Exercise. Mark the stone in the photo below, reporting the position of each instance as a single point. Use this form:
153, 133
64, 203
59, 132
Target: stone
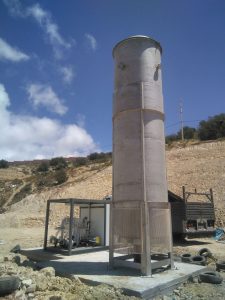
177, 292
55, 298
8, 258
42, 285
16, 259
1, 259
19, 295
76, 279
28, 264
11, 272
2, 270
49, 271
30, 296
194, 279
31, 288
27, 282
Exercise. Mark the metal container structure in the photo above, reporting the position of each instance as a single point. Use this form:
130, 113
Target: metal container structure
140, 212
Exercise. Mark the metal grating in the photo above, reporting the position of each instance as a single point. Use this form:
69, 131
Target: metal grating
127, 229
127, 225
160, 227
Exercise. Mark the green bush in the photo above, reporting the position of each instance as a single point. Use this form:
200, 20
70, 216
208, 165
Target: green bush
60, 176
100, 156
171, 138
189, 133
93, 156
58, 163
26, 190
4, 164
43, 167
80, 161
213, 128
45, 180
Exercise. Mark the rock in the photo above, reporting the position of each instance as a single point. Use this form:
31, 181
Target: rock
75, 279
27, 282
11, 271
49, 271
19, 295
30, 296
31, 288
8, 258
177, 292
55, 298
89, 297
56, 287
28, 264
2, 270
194, 279
16, 259
42, 284
1, 259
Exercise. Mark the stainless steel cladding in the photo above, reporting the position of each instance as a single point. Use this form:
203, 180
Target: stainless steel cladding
139, 168
140, 212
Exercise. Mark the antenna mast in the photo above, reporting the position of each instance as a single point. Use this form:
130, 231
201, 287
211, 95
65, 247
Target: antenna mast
181, 120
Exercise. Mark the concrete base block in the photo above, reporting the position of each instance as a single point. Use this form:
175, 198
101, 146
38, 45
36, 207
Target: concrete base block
93, 268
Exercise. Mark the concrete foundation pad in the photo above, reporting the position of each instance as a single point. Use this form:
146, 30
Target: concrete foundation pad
93, 268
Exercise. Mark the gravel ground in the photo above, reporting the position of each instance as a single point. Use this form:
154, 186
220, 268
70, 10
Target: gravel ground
64, 288
44, 285
197, 291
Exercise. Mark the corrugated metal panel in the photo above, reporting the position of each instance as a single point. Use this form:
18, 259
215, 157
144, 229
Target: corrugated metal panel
196, 210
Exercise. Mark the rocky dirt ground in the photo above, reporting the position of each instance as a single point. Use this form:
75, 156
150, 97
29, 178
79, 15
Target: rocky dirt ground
45, 285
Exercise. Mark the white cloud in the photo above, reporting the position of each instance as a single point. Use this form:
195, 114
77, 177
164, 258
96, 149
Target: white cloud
15, 8
27, 137
80, 118
67, 73
91, 41
4, 103
7, 52
44, 20
43, 95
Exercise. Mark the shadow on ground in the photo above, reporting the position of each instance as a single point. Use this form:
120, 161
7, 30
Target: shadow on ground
184, 242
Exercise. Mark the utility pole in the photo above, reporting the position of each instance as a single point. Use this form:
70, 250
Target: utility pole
181, 120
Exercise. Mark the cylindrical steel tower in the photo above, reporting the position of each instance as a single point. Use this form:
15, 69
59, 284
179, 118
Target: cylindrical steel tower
138, 122
139, 167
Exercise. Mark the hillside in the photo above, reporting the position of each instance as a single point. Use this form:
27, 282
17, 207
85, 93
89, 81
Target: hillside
200, 166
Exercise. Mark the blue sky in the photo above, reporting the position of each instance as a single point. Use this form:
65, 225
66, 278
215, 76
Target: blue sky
56, 69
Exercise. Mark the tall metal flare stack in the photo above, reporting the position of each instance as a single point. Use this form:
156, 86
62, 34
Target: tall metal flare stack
140, 214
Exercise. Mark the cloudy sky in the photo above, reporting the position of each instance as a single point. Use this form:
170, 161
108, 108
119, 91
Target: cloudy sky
56, 69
